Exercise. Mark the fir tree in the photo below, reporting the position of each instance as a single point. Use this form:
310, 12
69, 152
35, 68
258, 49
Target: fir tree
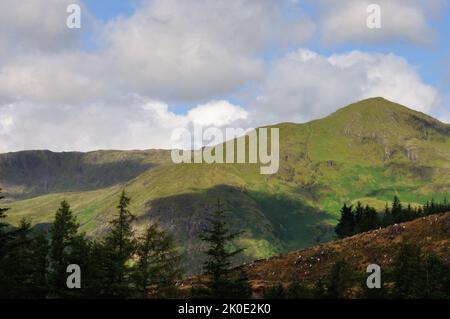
408, 272
370, 218
346, 224
437, 278
157, 266
120, 246
396, 210
359, 218
219, 254
62, 233
340, 280
387, 218
23, 265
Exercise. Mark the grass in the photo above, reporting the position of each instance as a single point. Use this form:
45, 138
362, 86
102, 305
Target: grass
368, 151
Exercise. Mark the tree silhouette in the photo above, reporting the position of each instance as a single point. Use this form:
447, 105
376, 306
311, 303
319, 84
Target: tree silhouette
120, 247
219, 254
157, 265
346, 224
62, 233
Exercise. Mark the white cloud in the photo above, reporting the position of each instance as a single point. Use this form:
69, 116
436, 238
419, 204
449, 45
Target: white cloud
63, 78
34, 25
131, 122
179, 49
217, 113
55, 95
401, 20
173, 50
305, 85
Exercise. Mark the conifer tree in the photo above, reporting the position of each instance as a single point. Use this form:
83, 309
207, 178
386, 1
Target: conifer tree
157, 266
408, 272
39, 250
436, 278
340, 280
396, 210
387, 218
120, 246
22, 272
219, 254
346, 224
370, 218
63, 233
359, 218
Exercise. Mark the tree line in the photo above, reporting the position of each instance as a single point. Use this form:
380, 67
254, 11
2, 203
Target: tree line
358, 219
122, 264
127, 264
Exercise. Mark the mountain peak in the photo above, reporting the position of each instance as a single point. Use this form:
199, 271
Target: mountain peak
378, 110
378, 103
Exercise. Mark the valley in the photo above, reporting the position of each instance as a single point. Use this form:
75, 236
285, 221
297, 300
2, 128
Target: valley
368, 151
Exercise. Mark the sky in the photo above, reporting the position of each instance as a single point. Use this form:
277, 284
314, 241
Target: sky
137, 70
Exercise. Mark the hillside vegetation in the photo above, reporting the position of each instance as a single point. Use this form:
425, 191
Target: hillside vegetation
431, 233
368, 151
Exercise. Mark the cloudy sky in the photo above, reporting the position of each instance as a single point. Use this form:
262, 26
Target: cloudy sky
138, 69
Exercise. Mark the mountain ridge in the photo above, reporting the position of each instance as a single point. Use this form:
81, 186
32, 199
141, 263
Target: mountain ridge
356, 153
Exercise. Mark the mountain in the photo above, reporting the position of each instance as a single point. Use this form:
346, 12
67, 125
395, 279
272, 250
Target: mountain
368, 151
31, 173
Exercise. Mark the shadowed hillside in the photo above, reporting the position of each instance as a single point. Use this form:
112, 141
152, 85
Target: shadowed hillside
368, 151
31, 173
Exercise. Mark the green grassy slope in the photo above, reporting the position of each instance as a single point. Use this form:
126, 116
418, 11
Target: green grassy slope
368, 151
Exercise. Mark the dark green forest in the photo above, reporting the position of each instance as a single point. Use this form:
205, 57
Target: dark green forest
359, 219
125, 264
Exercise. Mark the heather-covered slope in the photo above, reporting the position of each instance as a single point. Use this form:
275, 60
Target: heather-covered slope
431, 233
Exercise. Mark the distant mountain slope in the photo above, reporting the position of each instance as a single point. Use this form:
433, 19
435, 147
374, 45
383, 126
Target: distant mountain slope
30, 173
368, 151
431, 233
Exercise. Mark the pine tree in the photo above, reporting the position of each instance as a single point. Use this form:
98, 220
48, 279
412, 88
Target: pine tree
396, 210
437, 278
22, 273
340, 280
120, 246
387, 218
346, 224
359, 218
370, 218
39, 251
63, 234
217, 267
408, 272
96, 276
157, 266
